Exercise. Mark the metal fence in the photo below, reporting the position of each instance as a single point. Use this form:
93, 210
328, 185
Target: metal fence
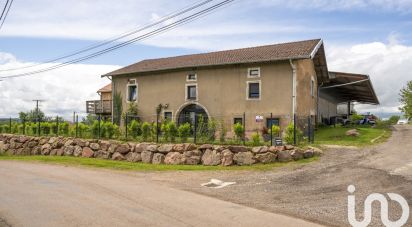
248, 128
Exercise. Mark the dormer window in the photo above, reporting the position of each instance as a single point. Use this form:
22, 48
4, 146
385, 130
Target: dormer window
253, 73
191, 77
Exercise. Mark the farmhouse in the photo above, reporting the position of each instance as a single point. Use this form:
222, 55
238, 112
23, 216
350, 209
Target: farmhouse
256, 86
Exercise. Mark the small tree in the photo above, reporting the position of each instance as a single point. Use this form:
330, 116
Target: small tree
275, 130
222, 134
406, 100
289, 135
394, 119
95, 128
146, 131
256, 139
135, 129
184, 132
173, 131
239, 131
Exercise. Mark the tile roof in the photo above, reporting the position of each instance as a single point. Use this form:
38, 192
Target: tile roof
107, 88
276, 52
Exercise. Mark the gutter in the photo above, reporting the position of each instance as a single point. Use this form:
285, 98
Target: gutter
293, 66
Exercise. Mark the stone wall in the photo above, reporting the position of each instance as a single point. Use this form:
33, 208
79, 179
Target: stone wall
187, 154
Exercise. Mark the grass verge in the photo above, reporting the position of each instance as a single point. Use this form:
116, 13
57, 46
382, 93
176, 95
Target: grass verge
122, 165
336, 136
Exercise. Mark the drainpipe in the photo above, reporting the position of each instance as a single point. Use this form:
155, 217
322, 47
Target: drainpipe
293, 66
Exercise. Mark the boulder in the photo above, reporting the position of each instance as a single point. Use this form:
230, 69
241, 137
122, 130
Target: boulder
36, 150
139, 148
244, 158
81, 142
69, 142
45, 149
131, 146
32, 144
165, 148
276, 149
205, 147
152, 148
68, 150
211, 158
316, 151
352, 132
265, 158
297, 154
94, 146
102, 154
237, 149
261, 149
227, 158
192, 157
77, 151
118, 157
184, 147
219, 148
52, 140
87, 152
43, 141
112, 148
60, 152
308, 153
147, 156
2, 145
104, 145
284, 156
289, 147
123, 149
158, 158
175, 158
53, 152
134, 157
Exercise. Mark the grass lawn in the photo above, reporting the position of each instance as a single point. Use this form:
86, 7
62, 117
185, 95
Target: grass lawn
123, 165
336, 136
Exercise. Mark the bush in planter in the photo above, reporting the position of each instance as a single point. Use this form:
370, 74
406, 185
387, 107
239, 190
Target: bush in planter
184, 132
146, 131
289, 135
239, 131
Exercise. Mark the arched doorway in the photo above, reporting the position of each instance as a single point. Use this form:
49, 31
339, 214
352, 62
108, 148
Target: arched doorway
188, 113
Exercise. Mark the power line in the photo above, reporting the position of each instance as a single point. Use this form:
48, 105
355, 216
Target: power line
4, 9
7, 12
141, 37
121, 36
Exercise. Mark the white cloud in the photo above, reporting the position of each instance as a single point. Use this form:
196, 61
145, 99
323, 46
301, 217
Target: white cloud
64, 90
387, 64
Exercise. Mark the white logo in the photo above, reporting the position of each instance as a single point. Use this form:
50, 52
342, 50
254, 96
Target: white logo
384, 209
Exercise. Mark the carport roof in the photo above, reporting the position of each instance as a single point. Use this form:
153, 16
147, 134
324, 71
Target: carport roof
350, 87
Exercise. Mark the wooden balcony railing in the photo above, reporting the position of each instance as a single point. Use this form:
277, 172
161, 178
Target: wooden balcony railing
99, 106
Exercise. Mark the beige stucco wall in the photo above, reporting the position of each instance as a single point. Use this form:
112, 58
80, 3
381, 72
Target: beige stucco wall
222, 91
305, 102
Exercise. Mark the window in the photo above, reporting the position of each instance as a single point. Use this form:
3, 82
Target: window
253, 90
272, 121
312, 87
238, 120
132, 91
253, 73
191, 77
191, 92
168, 116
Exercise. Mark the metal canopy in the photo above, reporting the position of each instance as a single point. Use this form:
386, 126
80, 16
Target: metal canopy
321, 66
349, 87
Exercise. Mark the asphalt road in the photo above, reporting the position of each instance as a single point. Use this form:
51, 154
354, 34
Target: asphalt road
33, 194
318, 191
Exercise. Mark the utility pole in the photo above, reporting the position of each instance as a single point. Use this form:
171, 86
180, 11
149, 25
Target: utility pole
38, 114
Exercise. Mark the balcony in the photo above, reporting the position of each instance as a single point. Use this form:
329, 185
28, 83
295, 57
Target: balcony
99, 107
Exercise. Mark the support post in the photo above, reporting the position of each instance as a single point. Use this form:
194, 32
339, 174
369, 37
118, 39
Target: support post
244, 128
126, 121
294, 130
271, 131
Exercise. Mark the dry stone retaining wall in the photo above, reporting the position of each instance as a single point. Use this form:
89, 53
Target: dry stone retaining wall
174, 154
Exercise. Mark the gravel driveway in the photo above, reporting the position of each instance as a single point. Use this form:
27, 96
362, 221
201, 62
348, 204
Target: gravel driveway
317, 191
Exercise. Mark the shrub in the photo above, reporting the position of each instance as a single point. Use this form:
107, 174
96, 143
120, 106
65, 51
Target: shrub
239, 130
211, 130
45, 128
394, 119
134, 129
275, 130
54, 128
256, 139
109, 129
289, 136
355, 118
184, 132
64, 128
154, 131
95, 129
33, 129
146, 131
222, 135
173, 131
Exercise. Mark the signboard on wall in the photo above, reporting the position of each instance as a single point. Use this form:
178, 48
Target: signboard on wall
259, 118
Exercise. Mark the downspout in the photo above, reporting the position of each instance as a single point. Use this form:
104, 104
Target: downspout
293, 66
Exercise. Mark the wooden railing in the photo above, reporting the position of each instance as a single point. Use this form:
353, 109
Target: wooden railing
99, 106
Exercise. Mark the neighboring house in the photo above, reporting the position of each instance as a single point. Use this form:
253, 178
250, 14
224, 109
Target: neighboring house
103, 106
232, 86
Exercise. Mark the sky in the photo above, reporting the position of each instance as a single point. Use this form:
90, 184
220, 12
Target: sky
372, 37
